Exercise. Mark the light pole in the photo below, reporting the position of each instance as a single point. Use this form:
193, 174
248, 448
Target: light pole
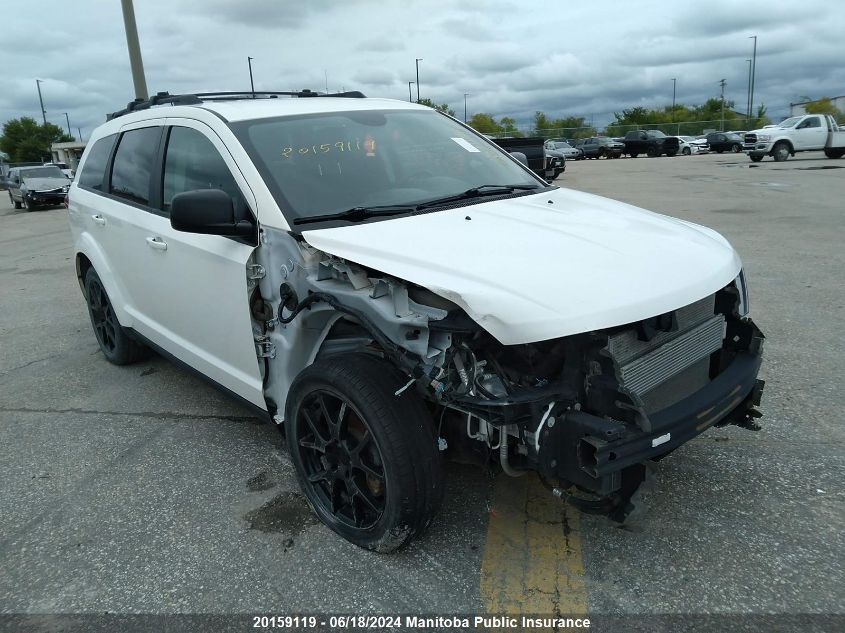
722, 124
79, 129
410, 98
135, 61
753, 76
418, 60
466, 94
674, 84
67, 118
41, 101
251, 85
748, 95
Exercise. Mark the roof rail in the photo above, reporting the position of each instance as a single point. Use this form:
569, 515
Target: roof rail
194, 99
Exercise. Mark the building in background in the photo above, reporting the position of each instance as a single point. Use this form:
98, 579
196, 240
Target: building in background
68, 153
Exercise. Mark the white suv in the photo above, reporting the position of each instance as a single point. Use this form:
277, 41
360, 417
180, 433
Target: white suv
387, 285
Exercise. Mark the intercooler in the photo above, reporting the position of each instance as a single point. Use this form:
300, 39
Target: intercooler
672, 365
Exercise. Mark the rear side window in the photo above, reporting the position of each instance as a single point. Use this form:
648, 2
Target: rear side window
94, 171
192, 162
133, 164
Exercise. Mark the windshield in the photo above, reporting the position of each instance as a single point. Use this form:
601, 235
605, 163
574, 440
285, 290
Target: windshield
656, 134
327, 163
790, 122
50, 171
563, 146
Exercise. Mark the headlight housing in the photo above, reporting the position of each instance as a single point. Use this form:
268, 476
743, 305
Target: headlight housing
742, 292
764, 137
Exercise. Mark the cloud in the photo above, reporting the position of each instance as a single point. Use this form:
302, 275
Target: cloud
586, 59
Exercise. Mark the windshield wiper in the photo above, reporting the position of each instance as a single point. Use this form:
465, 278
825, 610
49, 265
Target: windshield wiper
358, 214
475, 192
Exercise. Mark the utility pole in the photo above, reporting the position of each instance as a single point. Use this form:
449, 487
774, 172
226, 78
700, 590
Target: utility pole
722, 124
753, 76
674, 84
410, 98
419, 59
79, 129
326, 73
67, 118
135, 61
251, 85
41, 101
466, 94
748, 95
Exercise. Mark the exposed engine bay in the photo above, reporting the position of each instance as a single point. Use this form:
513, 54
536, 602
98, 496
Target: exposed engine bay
585, 411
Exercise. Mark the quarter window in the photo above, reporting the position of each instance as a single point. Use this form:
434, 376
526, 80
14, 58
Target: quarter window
192, 163
133, 164
94, 170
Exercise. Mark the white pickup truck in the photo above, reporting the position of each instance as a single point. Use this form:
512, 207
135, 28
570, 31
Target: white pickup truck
808, 132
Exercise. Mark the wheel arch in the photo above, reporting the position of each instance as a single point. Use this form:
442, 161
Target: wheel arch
788, 144
90, 255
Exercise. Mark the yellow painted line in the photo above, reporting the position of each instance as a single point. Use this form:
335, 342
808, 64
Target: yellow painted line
532, 558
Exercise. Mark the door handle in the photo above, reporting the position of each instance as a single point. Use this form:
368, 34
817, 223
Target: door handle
157, 243
99, 219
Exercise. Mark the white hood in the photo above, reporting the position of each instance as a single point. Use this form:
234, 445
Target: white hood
547, 265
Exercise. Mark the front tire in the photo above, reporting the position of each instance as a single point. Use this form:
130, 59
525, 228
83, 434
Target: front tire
117, 346
780, 152
28, 205
756, 157
736, 148
686, 151
366, 459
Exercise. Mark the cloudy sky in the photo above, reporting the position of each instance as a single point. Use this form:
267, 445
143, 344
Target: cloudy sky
513, 58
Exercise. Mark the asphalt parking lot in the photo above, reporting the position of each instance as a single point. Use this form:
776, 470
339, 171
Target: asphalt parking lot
143, 489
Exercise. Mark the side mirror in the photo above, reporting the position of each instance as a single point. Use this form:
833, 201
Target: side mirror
207, 211
520, 157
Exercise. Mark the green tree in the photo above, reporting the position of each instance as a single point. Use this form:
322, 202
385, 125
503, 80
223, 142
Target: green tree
443, 107
508, 126
824, 106
485, 123
25, 140
572, 126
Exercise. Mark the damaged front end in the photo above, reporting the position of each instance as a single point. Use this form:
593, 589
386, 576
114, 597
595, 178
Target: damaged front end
585, 411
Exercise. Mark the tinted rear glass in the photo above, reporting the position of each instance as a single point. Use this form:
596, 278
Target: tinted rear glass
133, 164
94, 171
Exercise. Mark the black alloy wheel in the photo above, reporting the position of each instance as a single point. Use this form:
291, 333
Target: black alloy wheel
342, 463
367, 460
103, 318
115, 342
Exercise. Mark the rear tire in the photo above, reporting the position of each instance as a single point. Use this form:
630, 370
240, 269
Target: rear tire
686, 151
117, 346
756, 157
780, 152
834, 153
367, 460
652, 152
633, 155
